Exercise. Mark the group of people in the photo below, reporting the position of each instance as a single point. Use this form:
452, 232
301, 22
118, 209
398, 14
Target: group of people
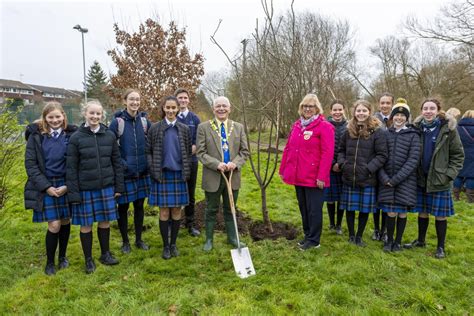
376, 163
92, 173
370, 163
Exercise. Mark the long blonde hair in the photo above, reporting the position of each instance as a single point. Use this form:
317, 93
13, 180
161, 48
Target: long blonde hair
362, 129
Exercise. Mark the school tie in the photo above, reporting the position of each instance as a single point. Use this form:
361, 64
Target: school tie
181, 116
225, 144
55, 134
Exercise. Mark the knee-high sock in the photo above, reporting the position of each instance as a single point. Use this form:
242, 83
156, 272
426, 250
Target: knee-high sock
51, 245
174, 231
384, 219
441, 228
340, 215
164, 232
331, 212
64, 239
138, 217
401, 223
86, 242
104, 236
350, 218
362, 222
422, 228
390, 228
123, 221
377, 220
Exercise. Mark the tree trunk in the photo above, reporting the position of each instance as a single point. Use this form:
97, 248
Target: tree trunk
266, 218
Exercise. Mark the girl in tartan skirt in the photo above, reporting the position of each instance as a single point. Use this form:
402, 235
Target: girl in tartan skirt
362, 152
169, 150
45, 189
332, 195
130, 127
95, 178
397, 179
442, 158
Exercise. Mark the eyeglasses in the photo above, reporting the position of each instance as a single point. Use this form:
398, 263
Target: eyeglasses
308, 106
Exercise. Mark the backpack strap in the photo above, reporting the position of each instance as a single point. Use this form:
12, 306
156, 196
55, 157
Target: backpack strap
467, 133
120, 126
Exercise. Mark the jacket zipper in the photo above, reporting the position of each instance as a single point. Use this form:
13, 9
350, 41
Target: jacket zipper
136, 144
98, 159
355, 162
393, 161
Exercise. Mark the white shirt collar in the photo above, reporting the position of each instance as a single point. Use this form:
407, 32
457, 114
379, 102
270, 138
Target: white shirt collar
95, 130
59, 130
184, 113
170, 123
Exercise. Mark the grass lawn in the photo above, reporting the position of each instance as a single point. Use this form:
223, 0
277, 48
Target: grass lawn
338, 278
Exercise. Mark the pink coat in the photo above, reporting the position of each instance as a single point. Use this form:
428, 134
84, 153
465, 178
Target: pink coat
308, 154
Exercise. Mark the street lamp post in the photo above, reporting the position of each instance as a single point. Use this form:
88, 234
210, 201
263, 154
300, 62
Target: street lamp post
83, 30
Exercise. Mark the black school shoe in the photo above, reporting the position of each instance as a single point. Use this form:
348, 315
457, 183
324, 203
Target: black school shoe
338, 230
63, 263
166, 254
359, 242
50, 269
440, 254
387, 246
126, 248
352, 239
301, 243
107, 259
90, 265
308, 245
194, 232
174, 251
396, 247
376, 235
415, 243
141, 245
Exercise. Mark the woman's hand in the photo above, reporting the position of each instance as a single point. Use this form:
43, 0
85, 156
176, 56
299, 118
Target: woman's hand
117, 194
61, 190
52, 191
320, 184
336, 168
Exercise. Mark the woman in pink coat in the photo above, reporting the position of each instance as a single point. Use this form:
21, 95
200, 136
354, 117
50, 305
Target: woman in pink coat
306, 163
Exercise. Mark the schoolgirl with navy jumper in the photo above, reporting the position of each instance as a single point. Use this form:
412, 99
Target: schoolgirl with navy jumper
45, 189
95, 179
130, 127
397, 178
362, 152
442, 158
465, 177
169, 159
332, 195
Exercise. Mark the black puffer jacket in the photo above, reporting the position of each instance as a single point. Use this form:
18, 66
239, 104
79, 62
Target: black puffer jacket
154, 149
93, 162
404, 150
361, 158
339, 129
37, 183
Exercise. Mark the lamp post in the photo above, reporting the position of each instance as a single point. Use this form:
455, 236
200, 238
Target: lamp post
83, 30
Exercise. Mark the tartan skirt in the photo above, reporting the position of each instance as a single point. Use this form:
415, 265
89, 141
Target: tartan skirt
434, 203
96, 206
54, 208
395, 208
135, 189
172, 191
333, 193
358, 199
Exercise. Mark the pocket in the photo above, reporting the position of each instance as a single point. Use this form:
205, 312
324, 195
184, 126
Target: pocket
439, 176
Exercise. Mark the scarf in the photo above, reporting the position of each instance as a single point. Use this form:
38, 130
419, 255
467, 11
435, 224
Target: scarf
306, 122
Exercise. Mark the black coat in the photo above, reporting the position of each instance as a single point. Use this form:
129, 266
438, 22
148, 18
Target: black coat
93, 162
37, 182
339, 129
154, 149
361, 158
404, 150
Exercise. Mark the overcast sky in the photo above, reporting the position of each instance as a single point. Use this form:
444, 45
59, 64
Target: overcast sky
39, 46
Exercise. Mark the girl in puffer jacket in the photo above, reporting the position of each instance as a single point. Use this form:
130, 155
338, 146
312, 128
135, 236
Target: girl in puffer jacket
362, 152
397, 179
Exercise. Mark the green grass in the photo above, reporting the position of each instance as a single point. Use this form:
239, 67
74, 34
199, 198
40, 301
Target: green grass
338, 278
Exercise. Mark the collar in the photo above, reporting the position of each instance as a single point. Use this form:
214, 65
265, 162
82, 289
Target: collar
59, 130
219, 122
95, 130
170, 123
184, 114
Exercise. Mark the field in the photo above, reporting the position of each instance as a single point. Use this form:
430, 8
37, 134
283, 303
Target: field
338, 278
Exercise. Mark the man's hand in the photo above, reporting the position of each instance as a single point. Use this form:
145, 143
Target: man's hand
222, 167
231, 166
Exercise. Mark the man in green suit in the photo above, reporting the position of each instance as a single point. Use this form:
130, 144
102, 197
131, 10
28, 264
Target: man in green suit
221, 146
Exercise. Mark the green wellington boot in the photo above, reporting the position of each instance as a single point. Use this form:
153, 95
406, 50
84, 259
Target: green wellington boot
231, 234
209, 236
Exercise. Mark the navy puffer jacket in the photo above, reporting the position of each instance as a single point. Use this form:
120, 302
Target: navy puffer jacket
132, 142
466, 133
404, 148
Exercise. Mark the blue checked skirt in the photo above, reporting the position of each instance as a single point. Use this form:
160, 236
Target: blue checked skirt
172, 191
434, 203
135, 189
395, 208
333, 193
358, 199
53, 208
96, 206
